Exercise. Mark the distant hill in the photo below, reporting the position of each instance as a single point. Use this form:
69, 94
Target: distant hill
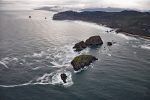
56, 8
53, 8
133, 22
108, 9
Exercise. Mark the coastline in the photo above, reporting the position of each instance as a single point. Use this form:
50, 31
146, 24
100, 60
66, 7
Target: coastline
134, 23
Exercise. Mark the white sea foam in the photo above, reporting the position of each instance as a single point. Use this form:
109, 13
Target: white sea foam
2, 63
18, 85
8, 60
56, 64
62, 56
36, 55
80, 70
36, 68
56, 79
145, 46
53, 78
135, 46
126, 37
93, 25
85, 68
59, 57
109, 54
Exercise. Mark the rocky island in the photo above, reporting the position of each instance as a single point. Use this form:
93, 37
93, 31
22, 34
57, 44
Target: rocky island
90, 42
79, 62
131, 22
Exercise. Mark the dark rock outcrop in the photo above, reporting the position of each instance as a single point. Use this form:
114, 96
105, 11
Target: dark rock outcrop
81, 61
63, 77
109, 43
109, 31
94, 41
80, 46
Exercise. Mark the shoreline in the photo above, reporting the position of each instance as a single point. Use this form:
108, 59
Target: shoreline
127, 22
114, 29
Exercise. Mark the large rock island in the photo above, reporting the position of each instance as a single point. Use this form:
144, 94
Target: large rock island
79, 62
132, 22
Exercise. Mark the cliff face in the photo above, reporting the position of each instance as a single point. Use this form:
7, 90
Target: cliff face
132, 22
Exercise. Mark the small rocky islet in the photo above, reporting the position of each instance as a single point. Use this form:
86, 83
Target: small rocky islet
63, 77
109, 43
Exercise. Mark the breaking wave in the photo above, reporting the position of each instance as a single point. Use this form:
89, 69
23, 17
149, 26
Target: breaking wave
48, 79
3, 64
93, 25
9, 60
126, 37
146, 46
18, 85
55, 79
85, 68
56, 57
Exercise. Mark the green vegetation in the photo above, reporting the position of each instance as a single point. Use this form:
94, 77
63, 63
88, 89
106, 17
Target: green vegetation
77, 59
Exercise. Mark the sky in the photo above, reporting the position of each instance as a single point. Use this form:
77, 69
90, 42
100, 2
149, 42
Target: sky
131, 4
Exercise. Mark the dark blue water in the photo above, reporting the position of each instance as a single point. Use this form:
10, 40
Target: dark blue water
34, 52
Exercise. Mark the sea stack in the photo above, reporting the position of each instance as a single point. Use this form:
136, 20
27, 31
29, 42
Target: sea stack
109, 43
63, 77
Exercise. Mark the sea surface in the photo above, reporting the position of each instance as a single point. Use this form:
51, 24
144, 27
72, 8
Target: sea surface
35, 51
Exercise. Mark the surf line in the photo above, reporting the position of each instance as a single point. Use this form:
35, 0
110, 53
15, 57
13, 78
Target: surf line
3, 64
19, 85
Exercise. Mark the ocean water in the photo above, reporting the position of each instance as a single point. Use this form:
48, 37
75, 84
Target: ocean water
34, 52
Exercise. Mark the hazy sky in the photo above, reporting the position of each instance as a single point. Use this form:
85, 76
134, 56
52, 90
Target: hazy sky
132, 4
135, 4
